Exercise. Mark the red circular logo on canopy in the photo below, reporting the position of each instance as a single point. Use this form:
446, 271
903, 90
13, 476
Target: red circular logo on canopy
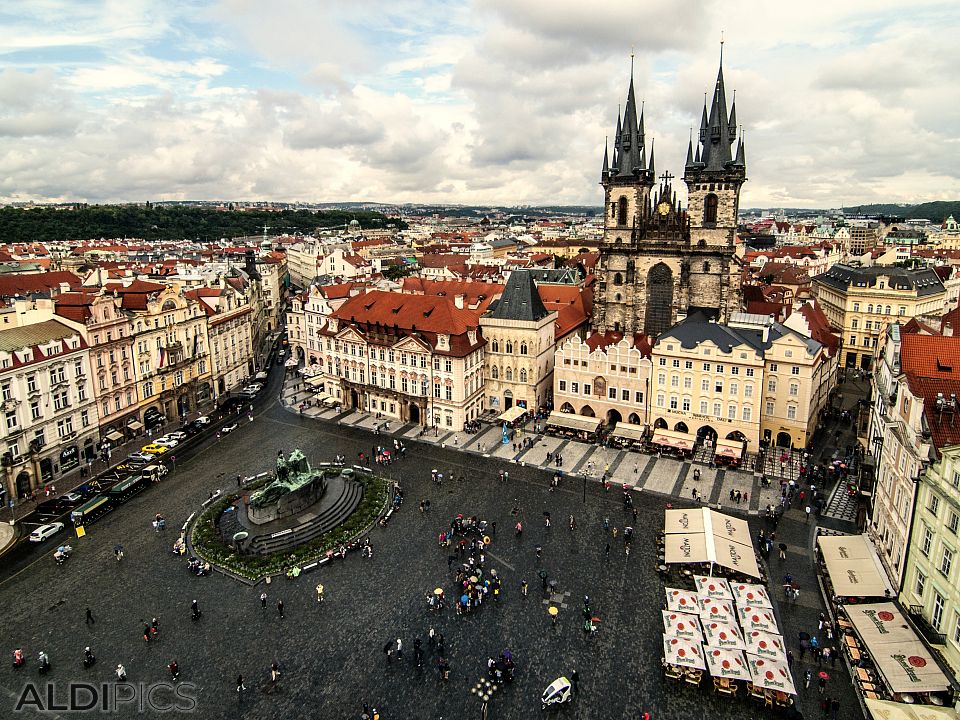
725, 664
885, 615
723, 636
768, 674
917, 662
762, 644
681, 652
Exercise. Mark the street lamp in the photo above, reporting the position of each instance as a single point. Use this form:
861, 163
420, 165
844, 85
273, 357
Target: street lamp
484, 690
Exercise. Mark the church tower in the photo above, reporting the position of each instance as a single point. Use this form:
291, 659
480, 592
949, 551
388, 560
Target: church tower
627, 183
660, 262
714, 175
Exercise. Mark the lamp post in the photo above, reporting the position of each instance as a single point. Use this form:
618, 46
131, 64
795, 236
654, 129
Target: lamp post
484, 690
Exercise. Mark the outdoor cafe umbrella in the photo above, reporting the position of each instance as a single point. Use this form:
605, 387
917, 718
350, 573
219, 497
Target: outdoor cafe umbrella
682, 625
749, 594
713, 588
758, 618
711, 610
682, 600
765, 644
726, 663
679, 651
723, 634
770, 674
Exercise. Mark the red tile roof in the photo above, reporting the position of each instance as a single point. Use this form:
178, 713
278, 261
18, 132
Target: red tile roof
819, 326
603, 340
944, 425
27, 283
930, 356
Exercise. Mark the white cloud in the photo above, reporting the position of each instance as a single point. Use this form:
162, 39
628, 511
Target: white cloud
503, 101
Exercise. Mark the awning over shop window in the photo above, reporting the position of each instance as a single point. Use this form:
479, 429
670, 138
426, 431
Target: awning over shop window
674, 439
853, 566
628, 431
889, 710
904, 662
732, 449
114, 436
574, 422
315, 381
511, 414
135, 425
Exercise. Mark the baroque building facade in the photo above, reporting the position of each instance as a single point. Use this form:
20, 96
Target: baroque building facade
658, 262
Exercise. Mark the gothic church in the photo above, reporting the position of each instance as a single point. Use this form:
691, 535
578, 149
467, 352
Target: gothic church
660, 262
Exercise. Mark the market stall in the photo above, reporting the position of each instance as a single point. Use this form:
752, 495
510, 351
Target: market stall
707, 536
628, 435
512, 416
570, 425
674, 441
729, 452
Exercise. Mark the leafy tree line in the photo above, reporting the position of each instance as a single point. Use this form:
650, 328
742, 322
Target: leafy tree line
936, 211
168, 222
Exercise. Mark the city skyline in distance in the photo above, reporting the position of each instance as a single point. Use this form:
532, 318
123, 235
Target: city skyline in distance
493, 103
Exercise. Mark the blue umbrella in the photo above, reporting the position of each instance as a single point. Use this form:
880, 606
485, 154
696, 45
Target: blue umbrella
464, 600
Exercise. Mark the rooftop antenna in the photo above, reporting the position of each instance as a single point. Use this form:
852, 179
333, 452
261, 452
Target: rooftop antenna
721, 48
631, 62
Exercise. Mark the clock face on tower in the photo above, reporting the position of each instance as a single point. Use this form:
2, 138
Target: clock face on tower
663, 208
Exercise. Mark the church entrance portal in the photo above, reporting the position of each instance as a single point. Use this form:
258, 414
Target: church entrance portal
659, 299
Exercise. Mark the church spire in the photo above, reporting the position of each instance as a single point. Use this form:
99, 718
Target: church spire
732, 124
718, 137
653, 172
689, 162
741, 160
606, 161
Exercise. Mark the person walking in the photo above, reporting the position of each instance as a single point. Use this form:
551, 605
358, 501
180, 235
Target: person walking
90, 620
121, 673
274, 672
807, 677
575, 679
263, 601
240, 686
399, 649
523, 589
280, 608
783, 551
834, 708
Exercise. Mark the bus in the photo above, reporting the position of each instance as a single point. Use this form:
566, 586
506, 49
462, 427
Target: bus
91, 510
126, 489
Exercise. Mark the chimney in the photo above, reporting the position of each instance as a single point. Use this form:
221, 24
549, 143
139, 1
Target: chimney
458, 300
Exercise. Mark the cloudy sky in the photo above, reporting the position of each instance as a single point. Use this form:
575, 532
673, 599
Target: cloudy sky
491, 101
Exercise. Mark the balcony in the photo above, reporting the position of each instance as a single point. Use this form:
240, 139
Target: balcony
933, 636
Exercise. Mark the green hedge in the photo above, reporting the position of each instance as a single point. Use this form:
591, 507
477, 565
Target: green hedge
208, 545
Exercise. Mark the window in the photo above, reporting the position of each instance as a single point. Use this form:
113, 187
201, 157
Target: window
719, 369
562, 385
716, 409
749, 372
509, 347
731, 412
6, 391
676, 363
769, 407
688, 364
703, 407
622, 211
734, 388
495, 374
794, 389
747, 413
706, 367
704, 385
436, 390
926, 541
936, 619
870, 308
795, 370
523, 375
946, 562
709, 209
686, 404
934, 506
523, 348
920, 584
953, 522
661, 400
687, 383
734, 370
508, 374
773, 367
449, 392
855, 323
31, 383
85, 417
791, 412
772, 385
719, 386
12, 420
448, 365
748, 390
956, 628
638, 397
674, 381
60, 400
35, 410
663, 362
575, 388
673, 402
39, 436
853, 340
404, 385
612, 393
856, 307
661, 379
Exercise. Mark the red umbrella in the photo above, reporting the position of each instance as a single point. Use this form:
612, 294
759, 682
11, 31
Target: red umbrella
823, 675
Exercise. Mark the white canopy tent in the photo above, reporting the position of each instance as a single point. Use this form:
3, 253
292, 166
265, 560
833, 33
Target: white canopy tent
747, 594
682, 600
771, 674
757, 618
713, 588
707, 536
682, 625
887, 710
721, 634
686, 653
766, 644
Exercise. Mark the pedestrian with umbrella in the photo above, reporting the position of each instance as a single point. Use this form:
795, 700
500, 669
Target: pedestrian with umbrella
822, 678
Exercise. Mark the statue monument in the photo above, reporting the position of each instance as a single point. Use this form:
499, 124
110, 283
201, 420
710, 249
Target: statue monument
295, 487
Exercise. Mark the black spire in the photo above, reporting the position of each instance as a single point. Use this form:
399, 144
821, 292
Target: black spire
732, 124
741, 160
520, 299
689, 163
653, 172
606, 162
616, 144
716, 145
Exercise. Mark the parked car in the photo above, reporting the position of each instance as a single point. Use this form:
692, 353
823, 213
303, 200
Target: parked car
260, 376
139, 458
152, 419
166, 441
229, 427
72, 498
203, 420
191, 428
45, 531
178, 435
155, 449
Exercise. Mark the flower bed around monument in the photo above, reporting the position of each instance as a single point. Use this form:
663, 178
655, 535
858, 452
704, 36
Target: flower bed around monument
209, 546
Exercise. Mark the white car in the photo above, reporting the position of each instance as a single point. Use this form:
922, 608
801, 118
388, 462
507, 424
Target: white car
203, 420
230, 427
178, 435
45, 531
167, 441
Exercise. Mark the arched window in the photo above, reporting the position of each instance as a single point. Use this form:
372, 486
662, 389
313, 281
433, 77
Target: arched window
870, 308
523, 348
886, 310
622, 211
509, 347
494, 372
619, 297
701, 243
618, 279
706, 267
509, 374
495, 346
613, 210
523, 375
710, 208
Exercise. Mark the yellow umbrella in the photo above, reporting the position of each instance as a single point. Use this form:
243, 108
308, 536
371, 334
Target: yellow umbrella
553, 610
438, 591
